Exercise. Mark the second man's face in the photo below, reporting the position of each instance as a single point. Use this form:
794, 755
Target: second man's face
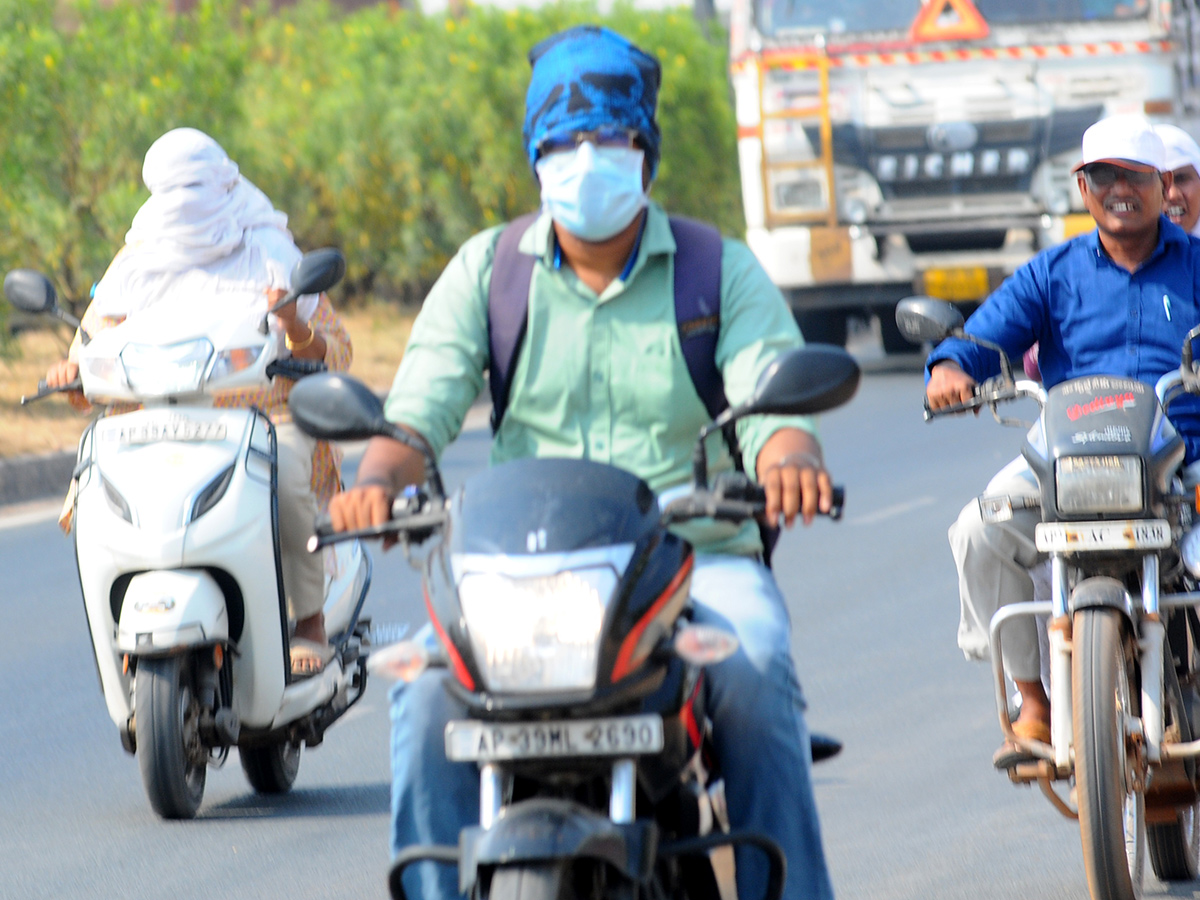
1124, 202
1183, 199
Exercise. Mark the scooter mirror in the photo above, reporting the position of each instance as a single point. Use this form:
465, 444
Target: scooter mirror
334, 407
316, 272
801, 382
923, 319
30, 291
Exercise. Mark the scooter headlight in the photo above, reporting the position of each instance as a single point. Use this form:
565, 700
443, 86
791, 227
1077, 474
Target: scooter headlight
154, 371
230, 362
537, 633
1098, 484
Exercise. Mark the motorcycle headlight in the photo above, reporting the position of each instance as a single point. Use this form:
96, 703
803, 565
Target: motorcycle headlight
1098, 484
154, 371
105, 369
537, 633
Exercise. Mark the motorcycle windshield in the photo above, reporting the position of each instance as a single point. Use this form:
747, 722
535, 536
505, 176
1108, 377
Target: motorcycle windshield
551, 506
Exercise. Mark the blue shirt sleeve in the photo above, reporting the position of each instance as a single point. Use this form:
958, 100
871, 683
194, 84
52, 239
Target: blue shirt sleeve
1012, 318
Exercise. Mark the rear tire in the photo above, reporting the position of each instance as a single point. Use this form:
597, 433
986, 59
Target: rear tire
172, 759
1175, 847
823, 326
272, 768
1111, 810
893, 340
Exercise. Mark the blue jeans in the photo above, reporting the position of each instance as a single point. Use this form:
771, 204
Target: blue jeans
757, 710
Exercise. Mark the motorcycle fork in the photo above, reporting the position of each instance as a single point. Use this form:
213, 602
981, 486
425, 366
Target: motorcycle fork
495, 787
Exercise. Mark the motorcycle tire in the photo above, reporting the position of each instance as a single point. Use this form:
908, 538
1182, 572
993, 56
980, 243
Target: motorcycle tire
1111, 808
1175, 846
172, 759
537, 881
271, 768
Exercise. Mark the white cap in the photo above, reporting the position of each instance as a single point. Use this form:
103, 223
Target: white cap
1182, 149
1128, 141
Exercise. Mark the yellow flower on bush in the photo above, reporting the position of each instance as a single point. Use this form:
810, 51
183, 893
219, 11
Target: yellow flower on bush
49, 61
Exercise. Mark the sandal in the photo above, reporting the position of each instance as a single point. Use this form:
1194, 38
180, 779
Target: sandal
309, 657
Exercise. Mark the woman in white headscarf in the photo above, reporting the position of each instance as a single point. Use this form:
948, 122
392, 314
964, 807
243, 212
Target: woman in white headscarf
206, 221
1183, 160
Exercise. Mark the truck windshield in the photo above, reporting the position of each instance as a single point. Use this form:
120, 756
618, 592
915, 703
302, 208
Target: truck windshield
841, 16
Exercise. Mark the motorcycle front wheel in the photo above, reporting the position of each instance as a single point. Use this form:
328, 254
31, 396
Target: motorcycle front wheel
271, 769
172, 759
1111, 805
537, 881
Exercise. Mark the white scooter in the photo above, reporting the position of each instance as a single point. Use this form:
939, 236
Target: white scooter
177, 542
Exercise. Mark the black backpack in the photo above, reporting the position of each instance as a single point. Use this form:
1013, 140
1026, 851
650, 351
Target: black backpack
697, 309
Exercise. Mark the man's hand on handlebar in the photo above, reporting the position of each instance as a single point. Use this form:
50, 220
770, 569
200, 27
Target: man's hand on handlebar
949, 385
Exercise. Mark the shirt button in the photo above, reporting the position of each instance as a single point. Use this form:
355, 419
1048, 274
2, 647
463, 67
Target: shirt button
599, 445
1133, 313
597, 377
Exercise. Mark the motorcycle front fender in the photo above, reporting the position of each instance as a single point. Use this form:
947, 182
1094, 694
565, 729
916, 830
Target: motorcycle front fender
1101, 592
166, 609
545, 829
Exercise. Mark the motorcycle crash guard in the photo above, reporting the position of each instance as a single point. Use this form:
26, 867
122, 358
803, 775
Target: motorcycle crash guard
539, 830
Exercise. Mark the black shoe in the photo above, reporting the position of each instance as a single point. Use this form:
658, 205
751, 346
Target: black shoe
824, 746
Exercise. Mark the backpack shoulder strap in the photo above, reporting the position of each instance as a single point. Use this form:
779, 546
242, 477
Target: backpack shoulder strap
698, 307
508, 309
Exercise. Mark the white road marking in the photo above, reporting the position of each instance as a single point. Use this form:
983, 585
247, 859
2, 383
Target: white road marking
890, 512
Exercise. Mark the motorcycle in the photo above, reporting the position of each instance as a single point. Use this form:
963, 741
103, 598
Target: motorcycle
1118, 528
176, 532
561, 603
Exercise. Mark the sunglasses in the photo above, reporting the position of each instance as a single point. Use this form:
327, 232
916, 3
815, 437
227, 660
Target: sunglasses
614, 136
1103, 175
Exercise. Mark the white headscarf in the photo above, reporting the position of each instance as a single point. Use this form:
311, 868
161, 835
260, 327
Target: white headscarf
1182, 150
202, 215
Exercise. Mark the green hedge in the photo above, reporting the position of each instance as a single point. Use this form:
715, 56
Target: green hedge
391, 134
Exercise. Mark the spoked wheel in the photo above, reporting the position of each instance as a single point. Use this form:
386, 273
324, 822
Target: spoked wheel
173, 760
272, 768
1112, 809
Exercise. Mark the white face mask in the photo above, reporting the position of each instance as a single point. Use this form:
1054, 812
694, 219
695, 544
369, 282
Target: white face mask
593, 192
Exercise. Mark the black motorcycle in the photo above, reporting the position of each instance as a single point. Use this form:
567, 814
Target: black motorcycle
561, 601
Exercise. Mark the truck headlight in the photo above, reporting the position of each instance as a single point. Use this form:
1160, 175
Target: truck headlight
1098, 484
537, 633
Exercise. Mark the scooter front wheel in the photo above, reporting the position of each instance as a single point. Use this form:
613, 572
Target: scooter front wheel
171, 756
1111, 803
272, 768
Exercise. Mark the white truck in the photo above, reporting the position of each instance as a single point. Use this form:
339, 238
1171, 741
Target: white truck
890, 148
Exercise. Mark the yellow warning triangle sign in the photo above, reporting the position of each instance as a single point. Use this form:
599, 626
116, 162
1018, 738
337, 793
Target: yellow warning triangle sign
948, 20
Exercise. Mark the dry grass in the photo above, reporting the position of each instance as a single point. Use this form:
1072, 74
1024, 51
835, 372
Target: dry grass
379, 334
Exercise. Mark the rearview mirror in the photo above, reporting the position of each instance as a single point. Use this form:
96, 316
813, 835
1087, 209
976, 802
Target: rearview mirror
802, 382
923, 319
334, 407
30, 292
315, 273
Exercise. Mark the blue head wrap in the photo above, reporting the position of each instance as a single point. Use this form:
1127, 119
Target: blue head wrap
588, 77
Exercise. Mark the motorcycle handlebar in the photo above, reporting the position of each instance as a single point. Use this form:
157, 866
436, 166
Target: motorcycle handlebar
44, 390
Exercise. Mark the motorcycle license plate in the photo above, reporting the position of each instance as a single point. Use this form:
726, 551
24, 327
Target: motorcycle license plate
176, 428
471, 741
1082, 537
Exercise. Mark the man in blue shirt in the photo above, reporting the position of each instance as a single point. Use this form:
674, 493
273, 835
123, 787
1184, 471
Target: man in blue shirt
1116, 301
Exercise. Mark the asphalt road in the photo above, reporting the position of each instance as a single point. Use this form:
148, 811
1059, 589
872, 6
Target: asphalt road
911, 809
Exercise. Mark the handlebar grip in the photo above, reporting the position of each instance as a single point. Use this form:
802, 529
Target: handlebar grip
839, 503
953, 409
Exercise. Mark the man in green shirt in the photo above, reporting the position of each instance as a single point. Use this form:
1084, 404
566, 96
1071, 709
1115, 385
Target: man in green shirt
600, 375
